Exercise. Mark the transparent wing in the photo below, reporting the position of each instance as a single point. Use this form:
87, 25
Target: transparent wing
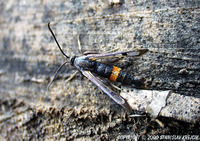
133, 53
117, 98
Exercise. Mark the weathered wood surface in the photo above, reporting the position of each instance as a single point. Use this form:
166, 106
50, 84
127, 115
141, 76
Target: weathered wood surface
163, 103
78, 109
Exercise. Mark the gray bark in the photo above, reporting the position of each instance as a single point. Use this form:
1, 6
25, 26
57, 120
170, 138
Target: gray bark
77, 109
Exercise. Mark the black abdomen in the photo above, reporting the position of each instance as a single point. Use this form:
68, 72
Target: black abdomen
127, 79
103, 70
114, 73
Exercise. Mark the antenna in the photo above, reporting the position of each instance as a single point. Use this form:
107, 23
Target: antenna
56, 74
62, 53
57, 41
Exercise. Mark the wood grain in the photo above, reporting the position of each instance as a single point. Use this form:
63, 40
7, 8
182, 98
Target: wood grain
77, 109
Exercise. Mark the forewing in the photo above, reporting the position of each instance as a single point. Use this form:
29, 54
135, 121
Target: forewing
117, 98
133, 53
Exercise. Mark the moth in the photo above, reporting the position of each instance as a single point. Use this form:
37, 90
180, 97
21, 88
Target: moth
91, 68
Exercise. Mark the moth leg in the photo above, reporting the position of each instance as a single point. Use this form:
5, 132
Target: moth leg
79, 44
111, 85
116, 87
108, 83
71, 77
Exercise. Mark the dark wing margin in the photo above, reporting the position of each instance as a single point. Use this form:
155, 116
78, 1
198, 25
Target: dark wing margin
133, 53
117, 98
